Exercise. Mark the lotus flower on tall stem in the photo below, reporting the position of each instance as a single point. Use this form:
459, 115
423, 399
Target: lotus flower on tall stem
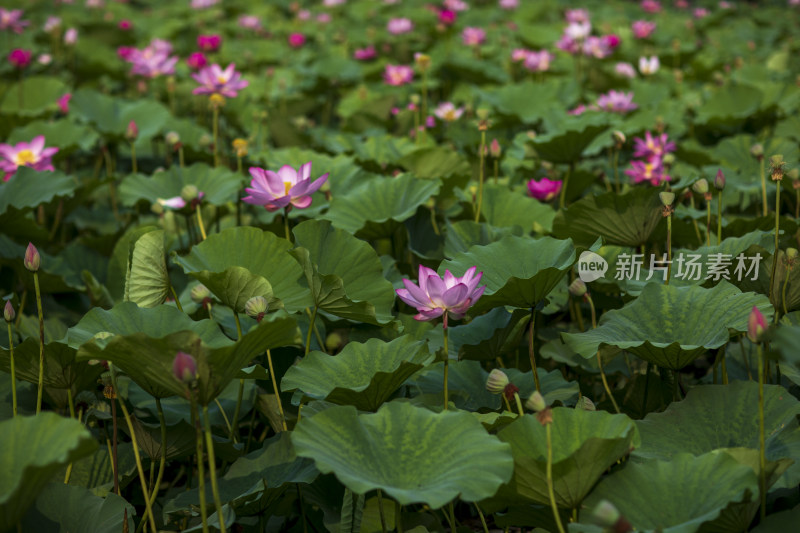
483, 125
719, 184
667, 199
9, 314
32, 262
757, 151
544, 415
450, 296
701, 187
32, 154
777, 170
756, 327
423, 62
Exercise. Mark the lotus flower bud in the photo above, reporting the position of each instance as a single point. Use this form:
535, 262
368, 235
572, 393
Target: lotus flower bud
8, 312
423, 61
577, 288
700, 186
184, 367
619, 138
199, 293
494, 149
606, 515
668, 160
333, 342
719, 180
497, 381
172, 138
189, 193
756, 325
536, 402
482, 114
791, 253
586, 404
777, 165
32, 259
757, 151
256, 307
667, 198
132, 132
240, 147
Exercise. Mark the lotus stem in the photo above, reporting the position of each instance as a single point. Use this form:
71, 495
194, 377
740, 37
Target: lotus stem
599, 359
777, 235
200, 221
762, 470
424, 108
797, 203
177, 300
163, 463
277, 392
286, 223
180, 157
483, 519
398, 509
380, 511
446, 360
240, 395
719, 217
13, 371
530, 350
134, 167
70, 403
708, 222
239, 192
216, 135
669, 248
452, 518
646, 388
41, 342
764, 189
562, 198
783, 294
550, 491
200, 468
212, 467
302, 507
508, 404
137, 457
616, 170
480, 177
519, 404
496, 170
316, 332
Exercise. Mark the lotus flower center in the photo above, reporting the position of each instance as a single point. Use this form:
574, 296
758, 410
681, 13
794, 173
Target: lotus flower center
286, 186
222, 80
25, 157
450, 115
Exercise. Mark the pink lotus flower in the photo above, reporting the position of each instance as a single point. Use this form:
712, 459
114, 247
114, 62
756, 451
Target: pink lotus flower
651, 170
598, 47
625, 69
32, 260
700, 12
447, 17
296, 40
651, 147
11, 19
125, 25
616, 102
651, 6
20, 58
456, 5
250, 22
435, 296
125, 52
276, 190
519, 54
448, 112
203, 4
538, 61
365, 54
70, 36
648, 66
578, 30
152, 61
580, 109
545, 189
214, 80
176, 202
576, 15
398, 74
32, 154
184, 367
51, 24
568, 44
756, 325
643, 29
63, 103
196, 60
209, 43
508, 4
398, 26
473, 36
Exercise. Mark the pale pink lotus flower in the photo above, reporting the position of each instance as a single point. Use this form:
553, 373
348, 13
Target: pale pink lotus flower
700, 12
398, 26
203, 4
333, 3
652, 146
625, 69
456, 5
472, 36
70, 36
398, 74
545, 189
324, 18
31, 154
287, 187
152, 61
651, 170
519, 54
51, 24
435, 296
597, 47
215, 80
649, 66
576, 16
448, 112
11, 19
651, 6
616, 102
508, 4
578, 30
249, 22
642, 29
538, 61
44, 59
567, 44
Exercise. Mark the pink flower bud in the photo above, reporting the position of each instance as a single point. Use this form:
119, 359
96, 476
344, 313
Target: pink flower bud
20, 58
209, 43
63, 103
494, 148
719, 181
132, 133
756, 325
32, 259
184, 367
8, 312
125, 25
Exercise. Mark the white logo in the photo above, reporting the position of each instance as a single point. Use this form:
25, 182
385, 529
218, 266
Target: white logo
591, 267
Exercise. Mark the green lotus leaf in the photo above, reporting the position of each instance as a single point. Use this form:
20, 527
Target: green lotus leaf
677, 496
72, 508
344, 273
219, 185
39, 95
255, 481
584, 445
779, 522
526, 100
148, 361
623, 219
462, 234
127, 318
239, 263
505, 208
376, 208
30, 188
363, 375
574, 135
61, 370
671, 326
729, 105
147, 283
111, 115
490, 335
517, 271
411, 453
34, 448
434, 162
64, 134
716, 416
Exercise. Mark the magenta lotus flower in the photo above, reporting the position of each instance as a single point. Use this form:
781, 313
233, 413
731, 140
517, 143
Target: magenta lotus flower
277, 190
296, 40
63, 103
365, 54
473, 36
125, 25
651, 146
398, 26
616, 102
20, 58
11, 19
32, 154
209, 43
651, 6
184, 367
196, 60
651, 170
447, 17
545, 189
398, 74
642, 29
435, 296
214, 80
